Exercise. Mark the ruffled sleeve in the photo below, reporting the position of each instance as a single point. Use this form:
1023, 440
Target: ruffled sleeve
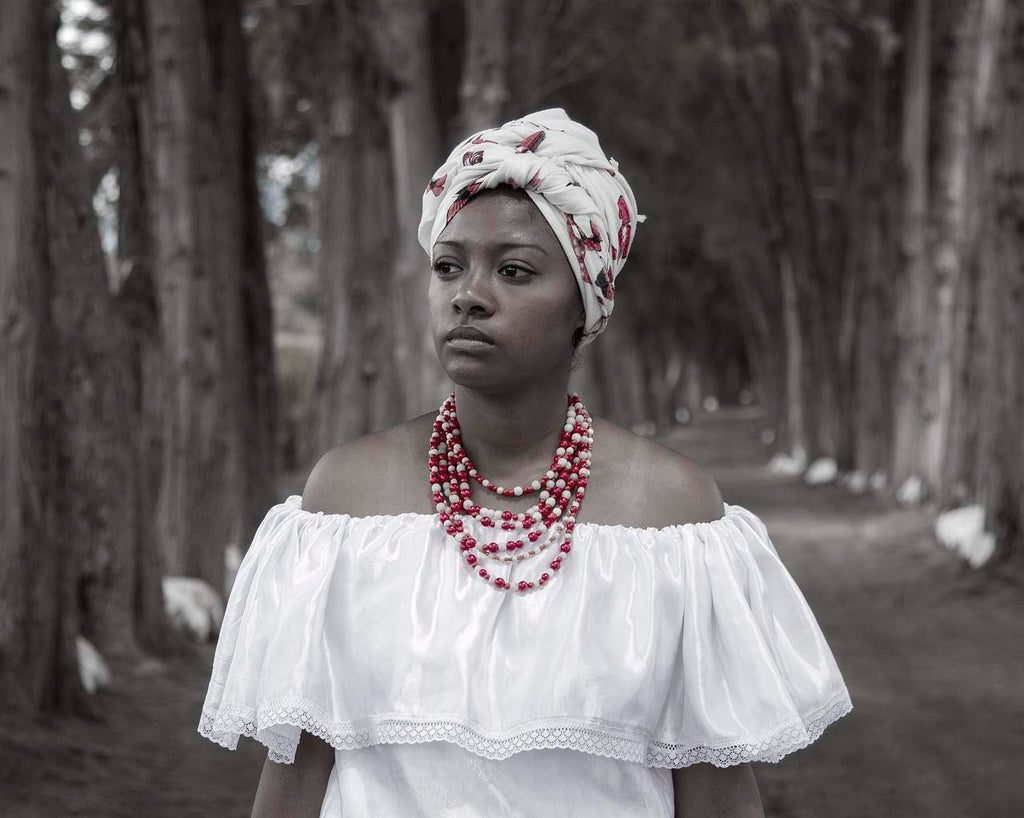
753, 676
269, 672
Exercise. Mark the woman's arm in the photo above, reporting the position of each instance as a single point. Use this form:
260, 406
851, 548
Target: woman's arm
705, 791
295, 790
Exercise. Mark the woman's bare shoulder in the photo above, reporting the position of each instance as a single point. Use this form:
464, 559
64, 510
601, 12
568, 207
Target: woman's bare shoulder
379, 473
642, 483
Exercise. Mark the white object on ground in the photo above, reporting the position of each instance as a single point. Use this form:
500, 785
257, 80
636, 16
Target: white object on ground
911, 492
879, 480
788, 465
92, 670
821, 472
856, 482
963, 530
193, 606
710, 404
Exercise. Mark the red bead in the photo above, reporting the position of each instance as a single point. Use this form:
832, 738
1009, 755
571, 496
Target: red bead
471, 559
545, 577
565, 548
508, 526
484, 574
506, 515
556, 563
533, 536
522, 585
570, 527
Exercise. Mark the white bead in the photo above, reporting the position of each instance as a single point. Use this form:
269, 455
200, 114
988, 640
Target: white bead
550, 502
486, 482
440, 506
467, 504
584, 472
517, 491
576, 437
544, 495
556, 511
560, 484
567, 493
549, 474
538, 516
500, 489
568, 427
535, 485
563, 462
473, 472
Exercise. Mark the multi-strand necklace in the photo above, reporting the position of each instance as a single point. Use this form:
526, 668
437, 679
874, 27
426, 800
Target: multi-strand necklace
551, 520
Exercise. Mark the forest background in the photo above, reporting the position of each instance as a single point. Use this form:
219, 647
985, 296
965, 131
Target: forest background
209, 272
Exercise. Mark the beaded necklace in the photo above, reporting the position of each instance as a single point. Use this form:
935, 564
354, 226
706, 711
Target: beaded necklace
559, 490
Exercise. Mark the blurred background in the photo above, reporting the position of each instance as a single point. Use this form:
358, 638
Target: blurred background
209, 275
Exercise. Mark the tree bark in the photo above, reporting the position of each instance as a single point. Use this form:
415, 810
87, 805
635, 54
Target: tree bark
219, 463
404, 52
1001, 446
357, 380
911, 287
483, 91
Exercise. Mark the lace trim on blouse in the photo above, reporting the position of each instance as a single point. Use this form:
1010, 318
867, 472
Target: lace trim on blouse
232, 720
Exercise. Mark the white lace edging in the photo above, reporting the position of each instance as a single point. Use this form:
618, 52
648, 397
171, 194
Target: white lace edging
224, 725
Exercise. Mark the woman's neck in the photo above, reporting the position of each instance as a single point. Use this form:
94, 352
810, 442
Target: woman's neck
507, 436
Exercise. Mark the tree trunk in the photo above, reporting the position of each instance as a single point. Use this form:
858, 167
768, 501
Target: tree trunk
483, 91
1001, 449
358, 381
912, 283
34, 647
404, 51
68, 532
214, 309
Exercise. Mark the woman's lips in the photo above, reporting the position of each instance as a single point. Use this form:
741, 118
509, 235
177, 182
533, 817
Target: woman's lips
468, 338
466, 343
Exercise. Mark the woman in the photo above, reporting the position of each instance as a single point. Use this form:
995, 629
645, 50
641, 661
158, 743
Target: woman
507, 607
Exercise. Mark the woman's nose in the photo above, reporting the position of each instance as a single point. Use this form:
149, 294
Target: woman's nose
473, 294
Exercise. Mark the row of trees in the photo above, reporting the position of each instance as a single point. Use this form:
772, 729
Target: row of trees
836, 223
882, 279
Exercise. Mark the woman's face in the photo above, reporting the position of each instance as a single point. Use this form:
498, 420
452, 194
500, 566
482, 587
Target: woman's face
499, 277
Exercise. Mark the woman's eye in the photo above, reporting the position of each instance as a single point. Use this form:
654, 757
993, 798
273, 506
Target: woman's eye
443, 267
515, 271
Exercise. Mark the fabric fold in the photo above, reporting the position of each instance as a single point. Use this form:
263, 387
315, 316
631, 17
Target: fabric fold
665, 647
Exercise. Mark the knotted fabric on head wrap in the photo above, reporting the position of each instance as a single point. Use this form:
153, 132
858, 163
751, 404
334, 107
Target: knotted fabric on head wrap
560, 165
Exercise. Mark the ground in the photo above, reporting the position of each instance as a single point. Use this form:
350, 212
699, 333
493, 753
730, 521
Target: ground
930, 650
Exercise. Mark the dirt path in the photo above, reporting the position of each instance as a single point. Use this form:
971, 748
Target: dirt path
931, 652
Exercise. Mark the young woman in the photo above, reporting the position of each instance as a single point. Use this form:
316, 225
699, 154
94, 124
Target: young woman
508, 607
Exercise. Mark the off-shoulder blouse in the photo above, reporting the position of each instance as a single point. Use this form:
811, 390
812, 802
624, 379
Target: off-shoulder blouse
651, 649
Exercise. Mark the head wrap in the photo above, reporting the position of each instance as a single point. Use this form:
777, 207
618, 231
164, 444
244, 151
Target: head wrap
580, 192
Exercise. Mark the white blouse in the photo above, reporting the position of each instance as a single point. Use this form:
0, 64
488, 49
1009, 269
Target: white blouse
651, 648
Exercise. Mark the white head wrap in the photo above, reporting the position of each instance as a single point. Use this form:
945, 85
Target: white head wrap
560, 165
